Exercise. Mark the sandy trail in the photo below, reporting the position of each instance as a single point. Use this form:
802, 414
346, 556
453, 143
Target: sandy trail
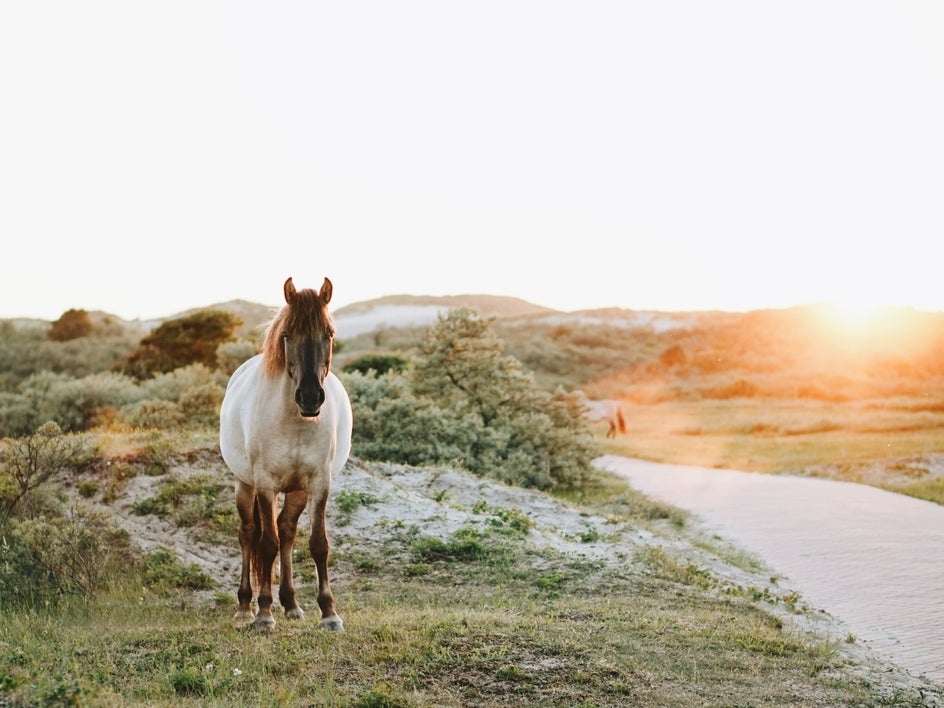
871, 558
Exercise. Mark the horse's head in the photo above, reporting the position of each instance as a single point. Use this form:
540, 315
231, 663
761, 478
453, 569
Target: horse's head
299, 342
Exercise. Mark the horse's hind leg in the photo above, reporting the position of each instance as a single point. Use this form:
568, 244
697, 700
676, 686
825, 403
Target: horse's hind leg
288, 525
319, 552
248, 538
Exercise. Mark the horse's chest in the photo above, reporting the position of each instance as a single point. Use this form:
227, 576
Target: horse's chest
291, 463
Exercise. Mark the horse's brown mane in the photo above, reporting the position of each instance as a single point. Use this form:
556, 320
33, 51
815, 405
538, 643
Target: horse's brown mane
305, 314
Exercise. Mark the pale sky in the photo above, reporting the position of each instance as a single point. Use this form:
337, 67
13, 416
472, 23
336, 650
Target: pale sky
649, 155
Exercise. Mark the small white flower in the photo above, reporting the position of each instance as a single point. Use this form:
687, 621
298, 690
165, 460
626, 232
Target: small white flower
208, 667
237, 672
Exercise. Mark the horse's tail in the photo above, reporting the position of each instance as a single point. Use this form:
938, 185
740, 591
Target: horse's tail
255, 558
619, 420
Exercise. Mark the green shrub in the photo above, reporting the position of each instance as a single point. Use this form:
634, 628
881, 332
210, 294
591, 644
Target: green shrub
505, 521
378, 363
201, 405
24, 581
34, 403
464, 545
231, 355
78, 402
189, 682
78, 550
74, 404
173, 385
153, 414
465, 402
162, 572
25, 351
179, 342
193, 501
347, 501
31, 461
394, 425
18, 416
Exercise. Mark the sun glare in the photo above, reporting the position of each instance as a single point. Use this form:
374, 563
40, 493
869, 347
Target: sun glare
860, 323
855, 316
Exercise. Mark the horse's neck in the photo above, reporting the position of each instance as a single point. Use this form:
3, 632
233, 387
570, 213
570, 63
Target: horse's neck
278, 397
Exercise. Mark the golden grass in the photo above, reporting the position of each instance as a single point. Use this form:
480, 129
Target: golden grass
775, 435
788, 435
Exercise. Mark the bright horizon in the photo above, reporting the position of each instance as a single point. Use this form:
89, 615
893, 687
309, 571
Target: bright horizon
675, 156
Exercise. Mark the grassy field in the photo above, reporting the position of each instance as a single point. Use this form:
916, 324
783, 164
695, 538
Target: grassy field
889, 445
624, 607
447, 640
460, 635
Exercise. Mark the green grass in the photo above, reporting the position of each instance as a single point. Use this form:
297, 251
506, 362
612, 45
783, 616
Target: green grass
490, 621
929, 489
427, 643
480, 617
200, 500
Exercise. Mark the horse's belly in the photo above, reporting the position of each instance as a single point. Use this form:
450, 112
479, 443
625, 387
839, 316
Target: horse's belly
233, 418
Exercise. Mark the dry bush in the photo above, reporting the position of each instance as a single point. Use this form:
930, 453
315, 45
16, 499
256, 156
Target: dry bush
740, 388
29, 462
153, 414
79, 550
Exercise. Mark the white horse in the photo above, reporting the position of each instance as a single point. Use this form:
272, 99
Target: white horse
285, 428
611, 412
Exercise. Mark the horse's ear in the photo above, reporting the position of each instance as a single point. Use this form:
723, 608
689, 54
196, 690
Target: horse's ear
290, 291
325, 293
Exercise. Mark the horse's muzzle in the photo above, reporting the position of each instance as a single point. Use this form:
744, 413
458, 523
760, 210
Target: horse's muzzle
309, 401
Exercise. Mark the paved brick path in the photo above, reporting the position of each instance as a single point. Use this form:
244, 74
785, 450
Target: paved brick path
871, 558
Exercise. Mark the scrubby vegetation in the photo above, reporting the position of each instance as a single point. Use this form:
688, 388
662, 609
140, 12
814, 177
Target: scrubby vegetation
806, 390
181, 342
90, 408
465, 402
462, 401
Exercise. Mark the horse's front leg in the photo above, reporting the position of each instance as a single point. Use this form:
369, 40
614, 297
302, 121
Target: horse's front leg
248, 538
293, 507
267, 549
319, 552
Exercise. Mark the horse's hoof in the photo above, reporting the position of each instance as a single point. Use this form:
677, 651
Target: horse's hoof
332, 623
243, 616
295, 614
264, 624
